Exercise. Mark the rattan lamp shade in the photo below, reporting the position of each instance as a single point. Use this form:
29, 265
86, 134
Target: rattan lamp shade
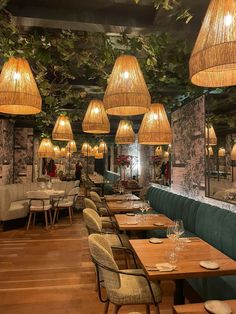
155, 127
57, 151
209, 151
159, 151
233, 152
96, 120
62, 130
210, 134
127, 93
221, 152
19, 93
71, 147
98, 155
46, 149
102, 147
125, 133
213, 60
86, 150
63, 152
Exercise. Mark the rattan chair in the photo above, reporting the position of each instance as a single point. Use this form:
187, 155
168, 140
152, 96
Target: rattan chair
39, 201
123, 287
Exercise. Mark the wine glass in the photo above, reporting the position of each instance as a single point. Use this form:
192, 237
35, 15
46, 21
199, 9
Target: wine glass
170, 233
178, 228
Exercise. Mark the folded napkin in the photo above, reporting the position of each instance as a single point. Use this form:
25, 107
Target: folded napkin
165, 267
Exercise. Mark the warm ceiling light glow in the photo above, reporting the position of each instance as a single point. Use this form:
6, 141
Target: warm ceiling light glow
63, 152
19, 93
57, 151
71, 147
86, 150
46, 149
233, 152
213, 60
210, 135
209, 151
102, 147
96, 120
159, 151
127, 93
98, 155
221, 152
155, 127
62, 130
125, 133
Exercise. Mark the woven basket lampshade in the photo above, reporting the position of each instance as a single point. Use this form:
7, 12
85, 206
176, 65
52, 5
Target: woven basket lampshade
125, 133
221, 152
63, 152
95, 149
57, 151
210, 134
166, 155
71, 147
127, 93
213, 60
209, 151
102, 147
96, 120
86, 150
19, 93
155, 127
46, 149
98, 155
233, 152
62, 130
159, 151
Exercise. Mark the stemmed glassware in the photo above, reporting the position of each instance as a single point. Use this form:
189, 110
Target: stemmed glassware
179, 231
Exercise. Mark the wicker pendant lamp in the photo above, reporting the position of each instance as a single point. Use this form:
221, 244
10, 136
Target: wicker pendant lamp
62, 130
86, 150
209, 151
221, 152
233, 152
213, 60
57, 151
166, 154
19, 93
71, 147
125, 133
46, 149
95, 149
102, 147
155, 127
96, 120
127, 93
210, 134
159, 151
98, 155
63, 152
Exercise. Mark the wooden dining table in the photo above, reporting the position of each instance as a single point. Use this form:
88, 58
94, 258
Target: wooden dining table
121, 197
188, 264
124, 206
143, 222
198, 308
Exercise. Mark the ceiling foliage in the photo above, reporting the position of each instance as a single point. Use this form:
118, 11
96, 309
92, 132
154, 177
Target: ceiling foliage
61, 60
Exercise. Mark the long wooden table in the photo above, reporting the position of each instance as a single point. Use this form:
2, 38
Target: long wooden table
124, 206
188, 261
198, 308
121, 197
142, 222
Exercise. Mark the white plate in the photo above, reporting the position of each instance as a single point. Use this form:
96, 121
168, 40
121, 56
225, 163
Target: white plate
130, 214
209, 264
217, 307
155, 240
158, 224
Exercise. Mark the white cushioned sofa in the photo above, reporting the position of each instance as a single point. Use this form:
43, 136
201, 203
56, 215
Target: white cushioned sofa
14, 202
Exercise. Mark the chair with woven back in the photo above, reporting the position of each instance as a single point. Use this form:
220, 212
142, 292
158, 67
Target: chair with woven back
102, 212
123, 287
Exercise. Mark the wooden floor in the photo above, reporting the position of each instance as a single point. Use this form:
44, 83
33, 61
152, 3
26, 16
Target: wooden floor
44, 272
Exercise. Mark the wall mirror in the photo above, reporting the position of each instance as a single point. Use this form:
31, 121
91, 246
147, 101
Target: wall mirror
220, 150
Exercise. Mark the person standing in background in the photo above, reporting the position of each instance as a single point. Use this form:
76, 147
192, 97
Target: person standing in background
78, 171
51, 169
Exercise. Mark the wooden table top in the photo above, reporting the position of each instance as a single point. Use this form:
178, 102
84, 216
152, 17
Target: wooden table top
145, 222
198, 308
124, 206
188, 259
121, 197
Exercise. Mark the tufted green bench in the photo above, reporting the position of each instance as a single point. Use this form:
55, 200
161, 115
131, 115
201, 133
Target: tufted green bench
112, 177
214, 225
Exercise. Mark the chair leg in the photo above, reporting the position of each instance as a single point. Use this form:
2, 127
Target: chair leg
28, 224
106, 307
147, 308
116, 308
34, 219
55, 214
156, 309
69, 209
50, 216
46, 219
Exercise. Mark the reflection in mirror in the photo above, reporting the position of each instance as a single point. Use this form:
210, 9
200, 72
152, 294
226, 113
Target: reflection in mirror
220, 135
160, 165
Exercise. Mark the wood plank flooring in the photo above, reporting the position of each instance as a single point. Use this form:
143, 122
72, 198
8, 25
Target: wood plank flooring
50, 272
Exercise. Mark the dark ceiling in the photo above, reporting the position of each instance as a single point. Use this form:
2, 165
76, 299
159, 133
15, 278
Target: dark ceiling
109, 16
